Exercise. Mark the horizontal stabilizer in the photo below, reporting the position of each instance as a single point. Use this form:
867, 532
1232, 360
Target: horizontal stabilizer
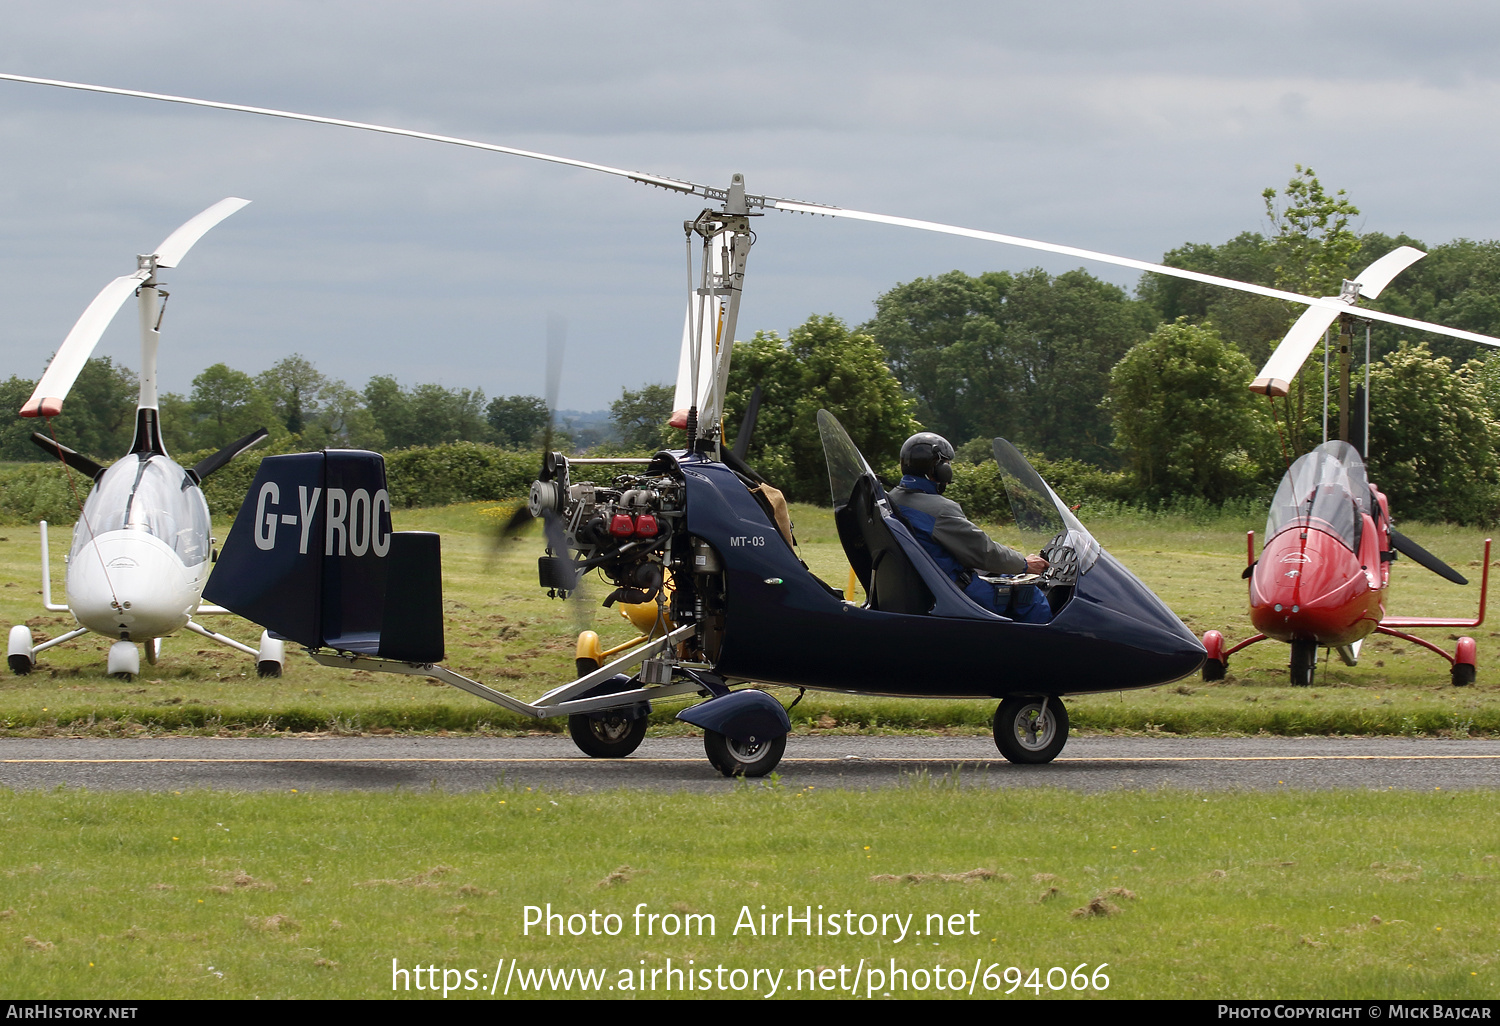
209, 464
77, 460
312, 558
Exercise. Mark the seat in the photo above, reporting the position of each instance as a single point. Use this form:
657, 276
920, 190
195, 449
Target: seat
881, 564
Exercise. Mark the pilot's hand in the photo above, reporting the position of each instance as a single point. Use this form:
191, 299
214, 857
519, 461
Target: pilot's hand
1036, 565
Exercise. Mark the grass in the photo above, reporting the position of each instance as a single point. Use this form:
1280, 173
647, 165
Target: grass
503, 630
1341, 895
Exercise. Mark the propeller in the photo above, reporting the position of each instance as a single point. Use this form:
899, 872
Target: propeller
1411, 550
539, 505
737, 201
209, 464
1276, 376
47, 399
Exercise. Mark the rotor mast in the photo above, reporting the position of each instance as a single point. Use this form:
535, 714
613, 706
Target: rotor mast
720, 289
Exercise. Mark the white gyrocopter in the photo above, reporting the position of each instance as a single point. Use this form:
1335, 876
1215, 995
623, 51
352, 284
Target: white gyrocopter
143, 545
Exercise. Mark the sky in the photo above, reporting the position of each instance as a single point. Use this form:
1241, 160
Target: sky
1125, 128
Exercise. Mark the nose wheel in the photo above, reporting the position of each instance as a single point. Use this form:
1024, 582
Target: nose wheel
1304, 662
1031, 731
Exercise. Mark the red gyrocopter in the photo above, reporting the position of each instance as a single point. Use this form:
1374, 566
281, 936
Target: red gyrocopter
1322, 578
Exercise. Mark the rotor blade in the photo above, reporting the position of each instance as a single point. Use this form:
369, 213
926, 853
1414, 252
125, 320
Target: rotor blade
47, 399
1373, 279
1276, 376
796, 206
773, 202
1411, 550
635, 176
175, 246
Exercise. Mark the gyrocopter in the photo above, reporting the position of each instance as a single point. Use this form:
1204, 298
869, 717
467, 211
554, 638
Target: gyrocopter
143, 544
697, 540
1320, 582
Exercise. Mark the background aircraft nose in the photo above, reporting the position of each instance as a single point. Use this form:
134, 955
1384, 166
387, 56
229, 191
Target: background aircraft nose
154, 591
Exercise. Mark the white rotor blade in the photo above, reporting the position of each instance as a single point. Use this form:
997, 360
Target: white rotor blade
665, 183
50, 392
1276, 376
1139, 265
1373, 279
794, 206
175, 246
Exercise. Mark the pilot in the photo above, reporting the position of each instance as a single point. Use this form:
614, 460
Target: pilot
958, 546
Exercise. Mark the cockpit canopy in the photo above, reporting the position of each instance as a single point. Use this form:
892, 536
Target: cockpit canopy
1326, 489
148, 492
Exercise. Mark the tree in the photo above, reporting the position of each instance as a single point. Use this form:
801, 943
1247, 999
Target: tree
821, 365
1025, 356
1183, 417
1312, 241
640, 418
1433, 437
293, 387
517, 419
226, 405
344, 421
428, 414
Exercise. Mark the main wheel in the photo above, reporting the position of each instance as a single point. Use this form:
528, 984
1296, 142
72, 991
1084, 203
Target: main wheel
1213, 669
20, 665
1027, 732
1463, 675
1304, 662
743, 758
609, 737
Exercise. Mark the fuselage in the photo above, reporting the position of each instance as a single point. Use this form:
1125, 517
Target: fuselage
141, 551
1324, 569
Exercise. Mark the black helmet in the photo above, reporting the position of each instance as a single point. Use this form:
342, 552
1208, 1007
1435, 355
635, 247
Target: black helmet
928, 455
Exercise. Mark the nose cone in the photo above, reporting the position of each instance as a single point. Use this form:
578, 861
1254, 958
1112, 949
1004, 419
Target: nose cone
1144, 640
1308, 585
132, 584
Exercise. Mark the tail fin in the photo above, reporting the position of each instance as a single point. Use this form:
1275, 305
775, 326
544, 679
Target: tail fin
312, 558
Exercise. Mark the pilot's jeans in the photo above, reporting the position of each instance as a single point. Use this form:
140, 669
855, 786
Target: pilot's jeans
1025, 603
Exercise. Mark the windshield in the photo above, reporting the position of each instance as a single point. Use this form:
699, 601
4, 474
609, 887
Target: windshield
1040, 515
150, 493
1326, 489
845, 464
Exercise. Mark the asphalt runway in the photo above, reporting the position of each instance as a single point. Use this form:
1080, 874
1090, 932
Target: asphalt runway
678, 764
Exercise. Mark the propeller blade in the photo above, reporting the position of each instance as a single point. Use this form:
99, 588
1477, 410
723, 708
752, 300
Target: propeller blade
777, 203
747, 426
1411, 550
208, 465
47, 399
79, 462
175, 246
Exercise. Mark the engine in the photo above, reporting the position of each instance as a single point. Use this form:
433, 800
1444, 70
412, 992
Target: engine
632, 530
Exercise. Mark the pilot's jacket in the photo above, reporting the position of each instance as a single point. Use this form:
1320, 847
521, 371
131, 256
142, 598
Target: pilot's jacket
941, 528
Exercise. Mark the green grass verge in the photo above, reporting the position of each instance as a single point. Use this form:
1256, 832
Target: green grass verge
1291, 895
503, 630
